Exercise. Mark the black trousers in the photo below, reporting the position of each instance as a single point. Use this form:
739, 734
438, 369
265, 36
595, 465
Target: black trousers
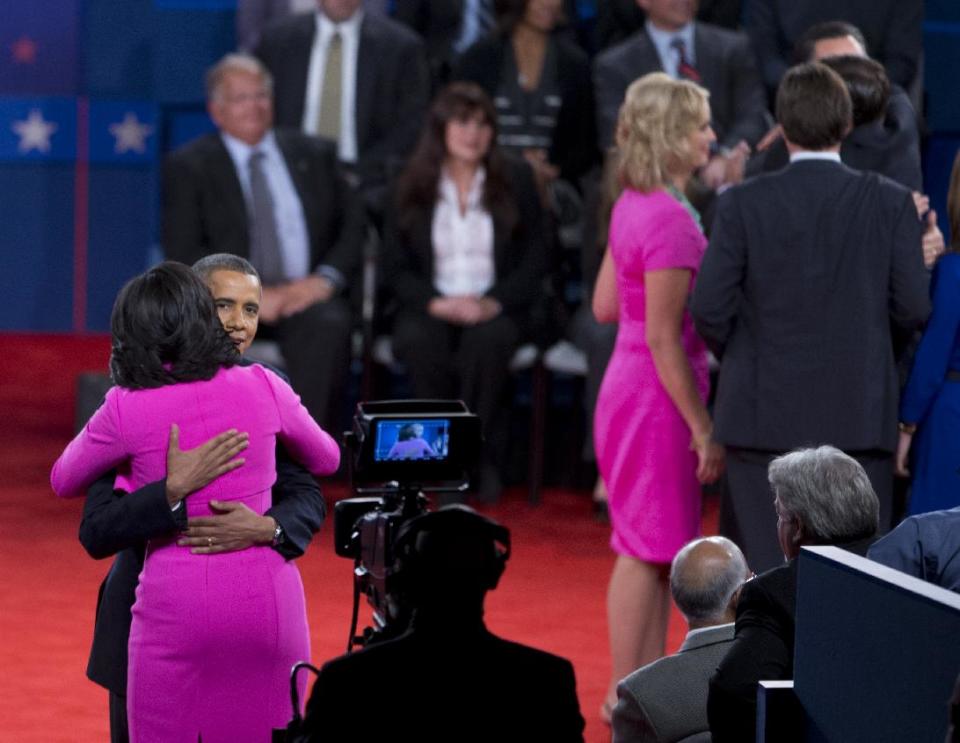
747, 515
467, 363
315, 345
119, 731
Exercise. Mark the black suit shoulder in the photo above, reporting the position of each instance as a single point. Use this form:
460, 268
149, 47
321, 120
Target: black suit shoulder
390, 30
292, 28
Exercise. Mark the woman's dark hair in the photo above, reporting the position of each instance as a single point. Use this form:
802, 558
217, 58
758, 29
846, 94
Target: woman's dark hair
813, 106
166, 330
867, 83
406, 432
420, 179
509, 13
803, 48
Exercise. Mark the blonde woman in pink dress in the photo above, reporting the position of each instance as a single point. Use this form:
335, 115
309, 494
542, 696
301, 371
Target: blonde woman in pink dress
652, 430
214, 636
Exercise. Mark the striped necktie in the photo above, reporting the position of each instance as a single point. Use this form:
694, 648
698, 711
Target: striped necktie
684, 68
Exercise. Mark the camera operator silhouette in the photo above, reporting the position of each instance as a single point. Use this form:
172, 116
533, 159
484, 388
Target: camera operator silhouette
447, 677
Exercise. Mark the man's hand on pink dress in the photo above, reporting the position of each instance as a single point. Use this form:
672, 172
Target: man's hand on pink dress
233, 527
191, 469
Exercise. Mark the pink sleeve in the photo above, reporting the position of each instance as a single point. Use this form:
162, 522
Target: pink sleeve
97, 449
306, 442
674, 242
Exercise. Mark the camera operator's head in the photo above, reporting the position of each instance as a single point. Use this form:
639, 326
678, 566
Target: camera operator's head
447, 560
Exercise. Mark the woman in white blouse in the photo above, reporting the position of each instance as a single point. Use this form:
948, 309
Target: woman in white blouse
465, 261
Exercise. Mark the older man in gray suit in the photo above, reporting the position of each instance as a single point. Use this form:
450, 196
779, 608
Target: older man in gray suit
666, 701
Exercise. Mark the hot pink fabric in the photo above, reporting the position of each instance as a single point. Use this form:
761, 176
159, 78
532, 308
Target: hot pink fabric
642, 442
213, 637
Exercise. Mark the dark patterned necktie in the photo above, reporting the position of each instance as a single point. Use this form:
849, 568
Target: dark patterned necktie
264, 241
684, 68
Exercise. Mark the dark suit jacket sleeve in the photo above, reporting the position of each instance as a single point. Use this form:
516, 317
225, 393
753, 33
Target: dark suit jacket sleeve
573, 149
761, 24
346, 252
909, 280
114, 520
631, 724
183, 234
902, 42
403, 274
747, 92
901, 550
760, 651
519, 286
298, 505
718, 289
564, 721
608, 87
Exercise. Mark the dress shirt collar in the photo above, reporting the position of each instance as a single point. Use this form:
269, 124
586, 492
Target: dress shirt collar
711, 628
797, 157
240, 151
348, 28
669, 57
448, 189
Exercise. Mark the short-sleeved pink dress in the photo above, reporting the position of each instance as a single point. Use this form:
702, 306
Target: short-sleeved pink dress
213, 637
642, 442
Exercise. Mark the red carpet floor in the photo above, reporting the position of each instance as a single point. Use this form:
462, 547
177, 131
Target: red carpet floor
552, 595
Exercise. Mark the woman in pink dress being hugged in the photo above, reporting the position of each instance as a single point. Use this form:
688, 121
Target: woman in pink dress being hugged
652, 429
213, 636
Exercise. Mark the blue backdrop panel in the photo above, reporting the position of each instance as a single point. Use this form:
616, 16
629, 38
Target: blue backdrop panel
122, 222
123, 132
39, 47
187, 43
118, 48
942, 10
36, 246
941, 43
185, 123
38, 129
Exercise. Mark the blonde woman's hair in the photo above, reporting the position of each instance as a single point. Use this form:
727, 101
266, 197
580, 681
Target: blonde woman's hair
953, 205
657, 116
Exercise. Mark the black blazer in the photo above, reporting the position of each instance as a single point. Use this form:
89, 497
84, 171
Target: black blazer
575, 132
805, 272
393, 85
204, 210
118, 523
454, 684
520, 257
892, 29
890, 147
725, 62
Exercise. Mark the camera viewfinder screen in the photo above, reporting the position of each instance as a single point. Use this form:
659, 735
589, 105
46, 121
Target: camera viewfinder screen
419, 440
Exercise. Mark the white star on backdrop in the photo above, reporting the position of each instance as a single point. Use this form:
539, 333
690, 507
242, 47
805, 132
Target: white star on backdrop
34, 132
130, 134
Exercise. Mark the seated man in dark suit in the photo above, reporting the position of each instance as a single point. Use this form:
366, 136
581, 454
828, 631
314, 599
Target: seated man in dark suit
807, 271
926, 546
279, 199
666, 701
718, 59
447, 678
118, 523
358, 78
822, 496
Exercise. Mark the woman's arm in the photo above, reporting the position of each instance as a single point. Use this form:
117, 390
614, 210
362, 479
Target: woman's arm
96, 450
666, 298
306, 442
606, 303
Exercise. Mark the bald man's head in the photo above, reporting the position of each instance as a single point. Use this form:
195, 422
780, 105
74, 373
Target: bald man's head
705, 579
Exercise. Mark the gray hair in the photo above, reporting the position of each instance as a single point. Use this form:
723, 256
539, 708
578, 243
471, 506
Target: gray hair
224, 262
702, 590
236, 62
828, 492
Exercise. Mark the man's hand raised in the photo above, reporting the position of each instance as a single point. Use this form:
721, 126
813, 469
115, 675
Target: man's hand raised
191, 469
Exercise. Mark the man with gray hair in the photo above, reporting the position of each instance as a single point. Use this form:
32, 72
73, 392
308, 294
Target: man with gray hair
279, 199
667, 699
821, 496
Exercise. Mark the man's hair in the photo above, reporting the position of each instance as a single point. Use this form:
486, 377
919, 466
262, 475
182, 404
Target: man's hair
704, 594
236, 62
224, 262
657, 117
813, 106
867, 83
828, 492
803, 49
